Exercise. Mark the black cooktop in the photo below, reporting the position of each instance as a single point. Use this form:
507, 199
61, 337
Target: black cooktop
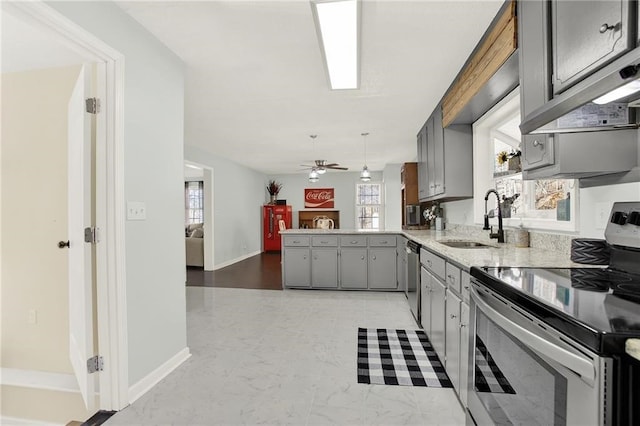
598, 307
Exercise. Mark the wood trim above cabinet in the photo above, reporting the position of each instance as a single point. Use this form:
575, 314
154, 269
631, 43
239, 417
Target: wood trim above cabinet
498, 45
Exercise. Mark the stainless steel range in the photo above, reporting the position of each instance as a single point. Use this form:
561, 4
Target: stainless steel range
548, 345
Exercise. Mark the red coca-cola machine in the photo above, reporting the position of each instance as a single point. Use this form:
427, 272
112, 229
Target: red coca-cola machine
272, 215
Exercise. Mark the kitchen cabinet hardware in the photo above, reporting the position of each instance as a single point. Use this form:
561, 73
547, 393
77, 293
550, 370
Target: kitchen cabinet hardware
606, 27
537, 143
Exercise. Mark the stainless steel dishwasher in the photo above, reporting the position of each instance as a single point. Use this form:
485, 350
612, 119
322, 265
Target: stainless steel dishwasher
412, 290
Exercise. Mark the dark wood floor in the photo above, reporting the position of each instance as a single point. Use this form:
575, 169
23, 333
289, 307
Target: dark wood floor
260, 272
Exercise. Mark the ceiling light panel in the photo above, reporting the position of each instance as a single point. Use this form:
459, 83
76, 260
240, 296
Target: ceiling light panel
338, 28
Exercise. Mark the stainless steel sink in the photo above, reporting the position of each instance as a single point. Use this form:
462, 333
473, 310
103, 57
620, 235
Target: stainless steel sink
465, 244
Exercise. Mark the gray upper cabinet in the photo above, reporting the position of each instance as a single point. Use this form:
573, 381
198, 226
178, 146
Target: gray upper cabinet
586, 35
537, 151
423, 180
445, 162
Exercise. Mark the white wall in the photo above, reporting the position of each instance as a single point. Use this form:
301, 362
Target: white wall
153, 172
343, 182
34, 217
393, 197
239, 193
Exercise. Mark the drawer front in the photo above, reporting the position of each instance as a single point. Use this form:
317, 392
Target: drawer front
296, 241
465, 284
353, 241
434, 263
453, 277
324, 241
382, 241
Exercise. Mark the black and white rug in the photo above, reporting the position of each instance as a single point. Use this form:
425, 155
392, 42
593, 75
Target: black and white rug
399, 357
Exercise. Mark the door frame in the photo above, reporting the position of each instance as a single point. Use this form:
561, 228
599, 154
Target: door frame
209, 199
109, 193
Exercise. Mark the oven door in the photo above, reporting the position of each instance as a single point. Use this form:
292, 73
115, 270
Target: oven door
526, 373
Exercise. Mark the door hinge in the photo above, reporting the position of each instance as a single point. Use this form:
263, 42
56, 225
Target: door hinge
93, 105
95, 363
91, 235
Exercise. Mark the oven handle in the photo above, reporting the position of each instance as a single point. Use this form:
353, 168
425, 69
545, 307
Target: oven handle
573, 362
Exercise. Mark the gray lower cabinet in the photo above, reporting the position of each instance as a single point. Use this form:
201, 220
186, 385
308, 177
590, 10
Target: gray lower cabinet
338, 261
402, 263
425, 300
382, 268
464, 352
438, 303
297, 267
324, 268
353, 268
452, 352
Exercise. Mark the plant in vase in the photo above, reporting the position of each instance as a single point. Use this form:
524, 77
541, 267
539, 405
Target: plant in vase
512, 158
273, 188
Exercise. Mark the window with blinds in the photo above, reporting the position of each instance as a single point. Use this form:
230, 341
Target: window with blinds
369, 206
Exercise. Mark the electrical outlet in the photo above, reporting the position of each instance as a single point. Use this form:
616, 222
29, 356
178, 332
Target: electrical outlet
136, 210
602, 214
32, 316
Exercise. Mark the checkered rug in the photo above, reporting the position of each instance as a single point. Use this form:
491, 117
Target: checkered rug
399, 357
489, 378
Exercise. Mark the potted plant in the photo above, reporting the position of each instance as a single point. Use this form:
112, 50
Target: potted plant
273, 188
512, 158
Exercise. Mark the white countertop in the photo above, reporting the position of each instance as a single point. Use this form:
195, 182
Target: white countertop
496, 255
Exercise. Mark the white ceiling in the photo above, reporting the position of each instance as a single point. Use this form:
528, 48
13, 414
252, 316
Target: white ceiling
256, 87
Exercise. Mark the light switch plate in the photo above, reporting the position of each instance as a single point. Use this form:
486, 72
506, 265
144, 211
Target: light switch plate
136, 210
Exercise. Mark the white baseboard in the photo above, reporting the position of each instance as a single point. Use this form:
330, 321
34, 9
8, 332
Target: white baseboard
153, 378
16, 421
39, 380
236, 260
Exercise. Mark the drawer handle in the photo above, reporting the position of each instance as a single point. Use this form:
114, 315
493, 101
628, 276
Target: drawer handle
451, 278
354, 242
384, 242
537, 143
452, 316
324, 242
296, 242
466, 287
429, 263
462, 325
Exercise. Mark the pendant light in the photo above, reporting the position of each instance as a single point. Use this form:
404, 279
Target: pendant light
313, 176
365, 175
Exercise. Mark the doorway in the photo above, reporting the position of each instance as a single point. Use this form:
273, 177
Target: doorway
34, 182
199, 172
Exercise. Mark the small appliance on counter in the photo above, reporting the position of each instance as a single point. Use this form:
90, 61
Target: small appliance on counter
553, 340
412, 215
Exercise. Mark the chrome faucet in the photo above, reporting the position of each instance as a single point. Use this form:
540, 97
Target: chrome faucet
500, 234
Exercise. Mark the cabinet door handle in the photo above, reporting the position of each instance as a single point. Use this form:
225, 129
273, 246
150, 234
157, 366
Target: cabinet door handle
429, 263
606, 27
362, 258
462, 325
466, 287
452, 316
536, 143
451, 278
374, 258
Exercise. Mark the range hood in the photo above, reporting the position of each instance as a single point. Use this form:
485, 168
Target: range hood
584, 107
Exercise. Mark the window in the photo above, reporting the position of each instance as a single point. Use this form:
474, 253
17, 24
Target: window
540, 204
369, 206
194, 202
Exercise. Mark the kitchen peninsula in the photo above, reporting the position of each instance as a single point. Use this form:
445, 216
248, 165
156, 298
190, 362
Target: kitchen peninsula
350, 259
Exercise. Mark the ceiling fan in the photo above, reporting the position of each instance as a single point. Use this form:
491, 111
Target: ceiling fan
321, 166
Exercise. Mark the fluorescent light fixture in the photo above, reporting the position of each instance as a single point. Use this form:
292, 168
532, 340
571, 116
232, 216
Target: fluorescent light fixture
619, 93
337, 24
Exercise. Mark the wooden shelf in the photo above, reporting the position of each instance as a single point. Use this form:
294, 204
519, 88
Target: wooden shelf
305, 217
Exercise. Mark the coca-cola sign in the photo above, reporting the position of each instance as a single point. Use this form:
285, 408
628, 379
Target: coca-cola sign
318, 198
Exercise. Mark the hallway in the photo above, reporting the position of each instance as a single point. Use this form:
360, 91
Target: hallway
286, 357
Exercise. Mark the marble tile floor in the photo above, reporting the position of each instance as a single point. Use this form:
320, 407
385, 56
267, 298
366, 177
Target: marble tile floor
285, 358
